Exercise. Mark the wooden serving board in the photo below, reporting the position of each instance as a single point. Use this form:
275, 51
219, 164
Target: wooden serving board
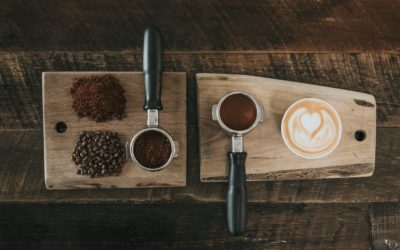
60, 171
268, 158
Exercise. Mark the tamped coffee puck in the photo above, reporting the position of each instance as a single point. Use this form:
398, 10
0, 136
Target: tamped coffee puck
238, 112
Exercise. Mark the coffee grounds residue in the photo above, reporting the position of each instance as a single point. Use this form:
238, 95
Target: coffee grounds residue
238, 112
152, 149
99, 97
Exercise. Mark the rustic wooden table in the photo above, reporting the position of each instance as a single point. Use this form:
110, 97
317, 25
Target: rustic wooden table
352, 45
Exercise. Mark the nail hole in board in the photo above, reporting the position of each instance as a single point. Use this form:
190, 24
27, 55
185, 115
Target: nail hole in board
61, 127
360, 135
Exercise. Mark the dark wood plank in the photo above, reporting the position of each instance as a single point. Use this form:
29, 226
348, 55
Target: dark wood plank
385, 225
183, 226
22, 178
377, 74
300, 26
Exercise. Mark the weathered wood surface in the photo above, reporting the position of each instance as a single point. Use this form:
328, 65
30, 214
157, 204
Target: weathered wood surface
183, 226
278, 25
376, 74
385, 225
60, 171
21, 166
268, 158
21, 178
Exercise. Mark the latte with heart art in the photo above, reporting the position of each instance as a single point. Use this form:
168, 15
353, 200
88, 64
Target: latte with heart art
311, 128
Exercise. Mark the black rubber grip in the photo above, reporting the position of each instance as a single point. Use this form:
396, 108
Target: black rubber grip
152, 68
236, 197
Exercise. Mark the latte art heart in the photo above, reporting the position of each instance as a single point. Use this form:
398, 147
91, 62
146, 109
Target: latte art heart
310, 122
311, 128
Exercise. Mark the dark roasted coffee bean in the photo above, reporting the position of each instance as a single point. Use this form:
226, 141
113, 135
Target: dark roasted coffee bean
99, 154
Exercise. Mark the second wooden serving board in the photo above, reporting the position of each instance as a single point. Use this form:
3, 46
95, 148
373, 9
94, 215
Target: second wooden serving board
268, 158
60, 171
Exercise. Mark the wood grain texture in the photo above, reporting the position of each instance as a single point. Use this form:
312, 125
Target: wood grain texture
183, 226
21, 165
278, 25
21, 179
60, 171
376, 74
385, 225
268, 158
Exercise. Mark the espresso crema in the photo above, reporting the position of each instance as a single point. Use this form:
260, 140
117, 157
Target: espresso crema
311, 128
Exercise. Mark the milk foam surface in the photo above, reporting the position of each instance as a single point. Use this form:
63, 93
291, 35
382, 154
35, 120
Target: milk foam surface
311, 128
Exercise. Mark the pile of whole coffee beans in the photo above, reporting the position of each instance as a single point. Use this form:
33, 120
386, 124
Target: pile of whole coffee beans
99, 153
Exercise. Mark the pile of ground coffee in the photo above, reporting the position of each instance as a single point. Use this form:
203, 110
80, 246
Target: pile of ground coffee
99, 154
99, 97
152, 149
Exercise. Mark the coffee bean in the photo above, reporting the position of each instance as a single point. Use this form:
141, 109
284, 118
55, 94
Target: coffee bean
98, 154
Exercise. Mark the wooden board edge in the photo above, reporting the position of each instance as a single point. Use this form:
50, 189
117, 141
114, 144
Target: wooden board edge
104, 72
51, 186
312, 174
44, 133
217, 76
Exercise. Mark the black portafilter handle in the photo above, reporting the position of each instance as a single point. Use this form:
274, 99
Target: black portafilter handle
152, 68
236, 197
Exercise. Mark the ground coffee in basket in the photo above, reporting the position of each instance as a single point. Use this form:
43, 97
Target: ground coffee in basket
99, 97
152, 149
238, 112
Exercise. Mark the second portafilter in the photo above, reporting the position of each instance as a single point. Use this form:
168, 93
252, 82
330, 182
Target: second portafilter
237, 113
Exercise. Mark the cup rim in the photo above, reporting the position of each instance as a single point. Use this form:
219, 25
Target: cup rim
313, 156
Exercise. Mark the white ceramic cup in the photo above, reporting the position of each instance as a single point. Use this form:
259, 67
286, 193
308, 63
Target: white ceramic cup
311, 128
